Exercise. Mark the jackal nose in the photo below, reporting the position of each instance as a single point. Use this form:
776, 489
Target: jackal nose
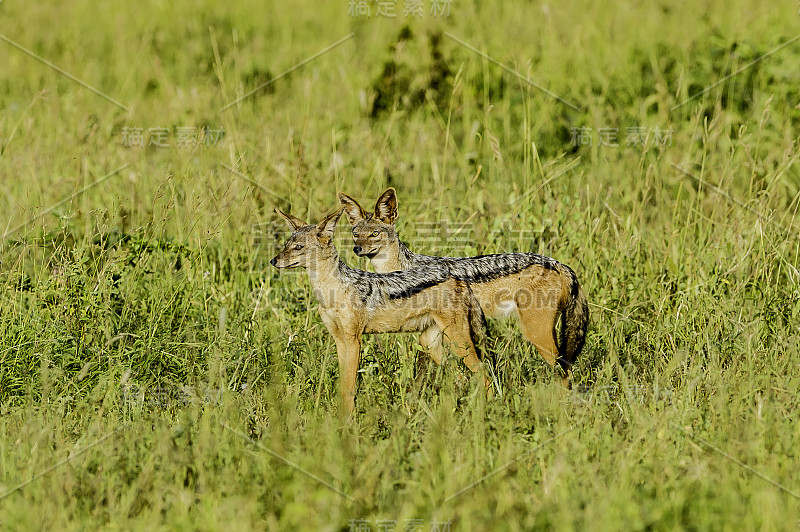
357, 250
273, 261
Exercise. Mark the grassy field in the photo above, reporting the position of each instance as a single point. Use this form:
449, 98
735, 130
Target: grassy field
157, 373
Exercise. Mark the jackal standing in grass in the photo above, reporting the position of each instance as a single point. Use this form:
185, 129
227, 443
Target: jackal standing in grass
537, 288
354, 302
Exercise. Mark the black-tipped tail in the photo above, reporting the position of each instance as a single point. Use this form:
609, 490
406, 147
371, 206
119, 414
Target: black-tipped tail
574, 322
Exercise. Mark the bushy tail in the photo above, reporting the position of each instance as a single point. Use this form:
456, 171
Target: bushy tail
574, 321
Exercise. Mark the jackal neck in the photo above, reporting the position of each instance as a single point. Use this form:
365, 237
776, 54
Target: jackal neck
405, 257
324, 269
394, 258
328, 280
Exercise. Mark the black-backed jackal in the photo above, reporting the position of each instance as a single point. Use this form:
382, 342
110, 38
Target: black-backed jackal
537, 288
354, 302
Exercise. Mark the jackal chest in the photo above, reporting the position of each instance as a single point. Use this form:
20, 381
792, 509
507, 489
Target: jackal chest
385, 262
334, 296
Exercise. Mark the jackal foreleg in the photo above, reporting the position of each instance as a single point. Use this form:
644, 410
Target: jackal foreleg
348, 351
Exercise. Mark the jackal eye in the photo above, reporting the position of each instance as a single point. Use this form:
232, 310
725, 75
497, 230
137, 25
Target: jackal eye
376, 233
298, 246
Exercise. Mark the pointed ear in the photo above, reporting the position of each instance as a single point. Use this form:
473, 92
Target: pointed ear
327, 227
293, 221
386, 207
352, 209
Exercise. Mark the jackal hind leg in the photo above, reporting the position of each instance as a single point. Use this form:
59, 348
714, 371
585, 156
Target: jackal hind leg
460, 341
431, 340
539, 328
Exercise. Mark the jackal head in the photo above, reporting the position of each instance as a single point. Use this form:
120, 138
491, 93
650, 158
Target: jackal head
372, 232
309, 244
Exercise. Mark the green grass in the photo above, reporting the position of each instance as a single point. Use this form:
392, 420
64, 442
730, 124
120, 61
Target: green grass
157, 373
